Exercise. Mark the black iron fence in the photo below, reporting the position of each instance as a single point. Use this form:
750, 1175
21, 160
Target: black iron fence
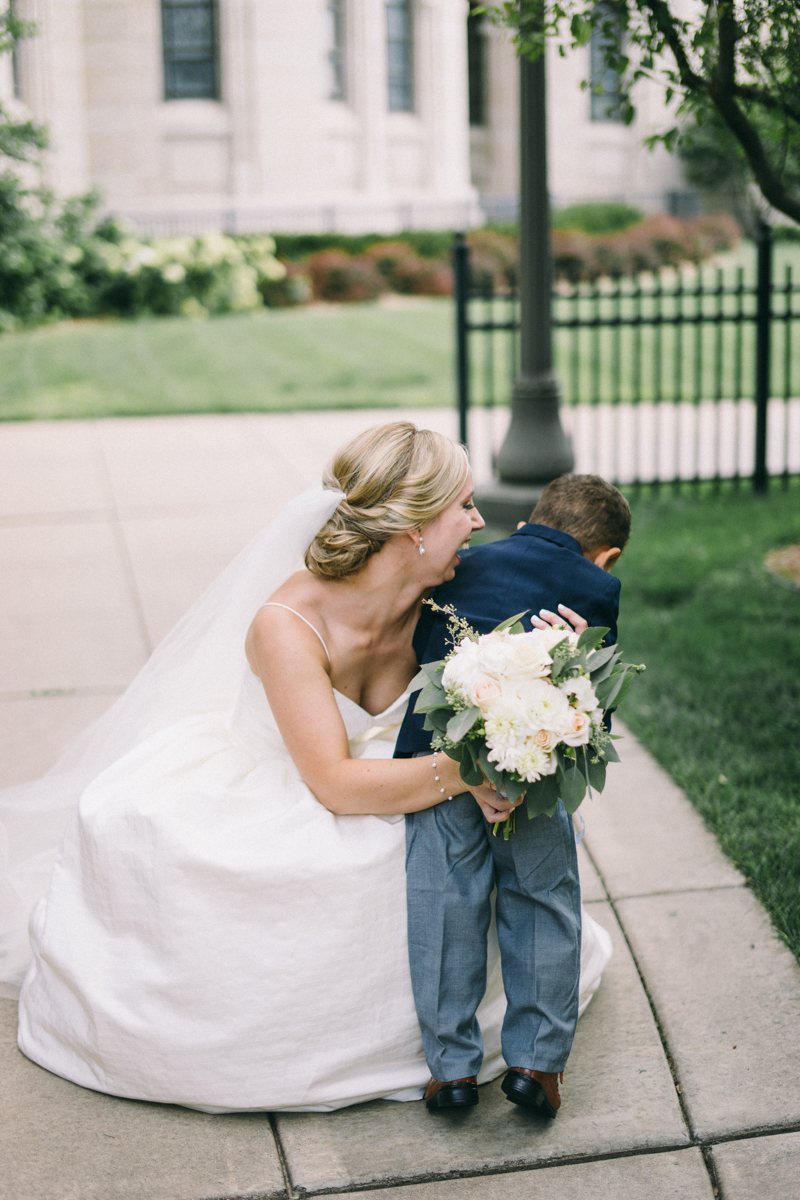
682, 376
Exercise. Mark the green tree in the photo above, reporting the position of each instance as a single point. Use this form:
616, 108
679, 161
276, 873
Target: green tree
731, 63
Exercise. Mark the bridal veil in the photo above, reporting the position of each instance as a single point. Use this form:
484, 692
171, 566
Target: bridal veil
197, 669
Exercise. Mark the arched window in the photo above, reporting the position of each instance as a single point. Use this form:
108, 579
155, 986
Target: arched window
191, 49
337, 26
400, 54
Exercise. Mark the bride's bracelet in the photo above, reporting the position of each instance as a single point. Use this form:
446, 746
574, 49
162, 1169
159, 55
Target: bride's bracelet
435, 776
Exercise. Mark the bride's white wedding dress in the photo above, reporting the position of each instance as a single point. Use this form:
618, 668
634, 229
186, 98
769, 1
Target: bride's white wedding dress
212, 936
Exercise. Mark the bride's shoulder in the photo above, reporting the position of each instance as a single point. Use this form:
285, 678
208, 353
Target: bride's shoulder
276, 622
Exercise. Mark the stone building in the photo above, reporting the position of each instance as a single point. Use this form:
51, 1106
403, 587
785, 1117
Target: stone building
307, 114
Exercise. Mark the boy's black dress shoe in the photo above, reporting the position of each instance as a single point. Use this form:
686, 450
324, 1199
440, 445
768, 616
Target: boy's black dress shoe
457, 1093
533, 1089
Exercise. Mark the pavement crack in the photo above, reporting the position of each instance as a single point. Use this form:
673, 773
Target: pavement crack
276, 1137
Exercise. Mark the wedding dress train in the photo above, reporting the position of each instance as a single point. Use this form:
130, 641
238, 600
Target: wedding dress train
212, 936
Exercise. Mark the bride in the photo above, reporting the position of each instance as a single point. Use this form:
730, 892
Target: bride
224, 926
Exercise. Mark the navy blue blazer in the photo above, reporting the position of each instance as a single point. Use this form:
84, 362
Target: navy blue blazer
537, 567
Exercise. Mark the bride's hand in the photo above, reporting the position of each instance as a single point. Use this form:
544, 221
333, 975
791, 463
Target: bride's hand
493, 806
565, 616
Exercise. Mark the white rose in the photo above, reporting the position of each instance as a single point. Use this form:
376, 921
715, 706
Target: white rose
578, 728
546, 705
460, 668
484, 691
551, 636
581, 688
493, 654
527, 656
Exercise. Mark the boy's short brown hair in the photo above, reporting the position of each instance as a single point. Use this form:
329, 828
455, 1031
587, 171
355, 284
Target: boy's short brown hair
586, 507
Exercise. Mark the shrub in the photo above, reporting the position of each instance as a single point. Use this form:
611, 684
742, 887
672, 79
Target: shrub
597, 217
494, 259
60, 261
335, 276
294, 288
407, 272
657, 241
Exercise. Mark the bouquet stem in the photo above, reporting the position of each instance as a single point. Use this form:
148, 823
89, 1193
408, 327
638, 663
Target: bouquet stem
508, 826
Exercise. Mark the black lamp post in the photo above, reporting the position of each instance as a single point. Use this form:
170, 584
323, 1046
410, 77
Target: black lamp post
535, 449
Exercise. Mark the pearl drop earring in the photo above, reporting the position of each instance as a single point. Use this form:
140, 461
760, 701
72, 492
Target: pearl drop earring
421, 547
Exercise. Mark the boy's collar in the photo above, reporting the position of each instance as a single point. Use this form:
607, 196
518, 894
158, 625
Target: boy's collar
550, 535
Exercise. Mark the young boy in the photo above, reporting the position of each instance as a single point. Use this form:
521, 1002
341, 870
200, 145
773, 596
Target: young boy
558, 560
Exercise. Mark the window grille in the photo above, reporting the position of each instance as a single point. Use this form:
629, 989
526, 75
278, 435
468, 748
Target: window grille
476, 67
191, 49
605, 82
400, 54
337, 51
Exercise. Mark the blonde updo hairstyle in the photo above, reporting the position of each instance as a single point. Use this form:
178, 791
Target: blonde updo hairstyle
395, 478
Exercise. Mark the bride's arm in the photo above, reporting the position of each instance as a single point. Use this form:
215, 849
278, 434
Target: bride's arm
293, 671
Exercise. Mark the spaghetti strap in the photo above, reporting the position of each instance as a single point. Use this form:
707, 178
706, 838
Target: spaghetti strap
275, 604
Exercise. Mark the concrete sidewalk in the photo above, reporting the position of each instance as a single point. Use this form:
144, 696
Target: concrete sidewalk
683, 1082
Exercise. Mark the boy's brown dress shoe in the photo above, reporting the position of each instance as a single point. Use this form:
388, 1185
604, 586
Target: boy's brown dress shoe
534, 1089
457, 1093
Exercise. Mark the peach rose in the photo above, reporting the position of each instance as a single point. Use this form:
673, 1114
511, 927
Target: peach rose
577, 728
545, 739
485, 691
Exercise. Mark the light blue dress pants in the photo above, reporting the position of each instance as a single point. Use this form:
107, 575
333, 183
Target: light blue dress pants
453, 863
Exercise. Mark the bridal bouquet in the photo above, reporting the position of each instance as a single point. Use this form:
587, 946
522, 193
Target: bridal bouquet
525, 709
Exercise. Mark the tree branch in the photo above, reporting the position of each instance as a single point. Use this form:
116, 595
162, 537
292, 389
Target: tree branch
666, 25
756, 95
722, 92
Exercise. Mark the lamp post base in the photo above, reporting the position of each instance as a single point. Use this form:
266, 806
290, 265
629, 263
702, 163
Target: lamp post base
506, 504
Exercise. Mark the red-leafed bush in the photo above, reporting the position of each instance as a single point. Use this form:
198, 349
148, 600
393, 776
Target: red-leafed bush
335, 276
657, 241
494, 260
408, 273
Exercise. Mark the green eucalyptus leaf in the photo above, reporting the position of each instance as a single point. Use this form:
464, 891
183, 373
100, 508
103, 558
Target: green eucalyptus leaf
510, 621
542, 797
598, 657
609, 753
571, 786
489, 768
470, 772
592, 637
436, 719
431, 696
462, 722
514, 788
597, 772
610, 689
607, 669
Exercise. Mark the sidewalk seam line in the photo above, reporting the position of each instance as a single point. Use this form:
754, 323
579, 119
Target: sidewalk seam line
276, 1137
714, 887
300, 1193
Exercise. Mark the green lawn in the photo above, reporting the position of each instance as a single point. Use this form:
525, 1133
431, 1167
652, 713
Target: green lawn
345, 356
719, 704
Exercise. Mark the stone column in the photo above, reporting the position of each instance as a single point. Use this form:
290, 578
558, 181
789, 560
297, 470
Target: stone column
54, 89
